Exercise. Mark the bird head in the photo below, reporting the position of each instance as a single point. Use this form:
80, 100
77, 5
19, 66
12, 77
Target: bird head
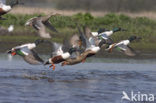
12, 52
132, 38
28, 23
118, 29
39, 41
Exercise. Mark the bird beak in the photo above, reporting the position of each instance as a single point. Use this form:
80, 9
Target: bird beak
123, 29
139, 38
9, 52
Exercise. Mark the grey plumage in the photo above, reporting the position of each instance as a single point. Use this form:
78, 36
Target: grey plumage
33, 57
40, 23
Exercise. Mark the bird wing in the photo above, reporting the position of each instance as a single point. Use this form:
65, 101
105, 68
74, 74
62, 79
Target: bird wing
32, 57
71, 42
47, 23
87, 32
126, 50
84, 39
35, 54
74, 40
37, 23
57, 49
49, 26
39, 26
130, 52
47, 17
24, 49
90, 40
31, 60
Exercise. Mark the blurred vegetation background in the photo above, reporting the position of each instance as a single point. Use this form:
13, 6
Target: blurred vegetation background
115, 16
96, 5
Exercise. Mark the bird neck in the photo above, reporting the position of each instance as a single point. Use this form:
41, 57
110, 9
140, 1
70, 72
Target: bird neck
116, 30
131, 40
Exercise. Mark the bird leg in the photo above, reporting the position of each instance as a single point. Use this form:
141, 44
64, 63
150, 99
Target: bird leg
52, 65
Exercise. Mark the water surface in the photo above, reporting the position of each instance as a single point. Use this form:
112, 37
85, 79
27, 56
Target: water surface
97, 81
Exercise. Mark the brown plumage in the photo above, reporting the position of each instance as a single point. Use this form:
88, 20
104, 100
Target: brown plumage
57, 59
2, 12
78, 59
90, 48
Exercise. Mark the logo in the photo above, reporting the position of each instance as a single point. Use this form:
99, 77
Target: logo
137, 97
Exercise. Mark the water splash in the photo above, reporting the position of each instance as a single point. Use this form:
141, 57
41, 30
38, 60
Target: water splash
9, 57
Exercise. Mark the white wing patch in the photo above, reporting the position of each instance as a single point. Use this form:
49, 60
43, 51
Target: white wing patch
92, 41
57, 49
122, 47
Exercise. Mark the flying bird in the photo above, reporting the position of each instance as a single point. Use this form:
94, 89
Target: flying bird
40, 23
90, 48
103, 34
61, 52
4, 9
27, 52
123, 46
